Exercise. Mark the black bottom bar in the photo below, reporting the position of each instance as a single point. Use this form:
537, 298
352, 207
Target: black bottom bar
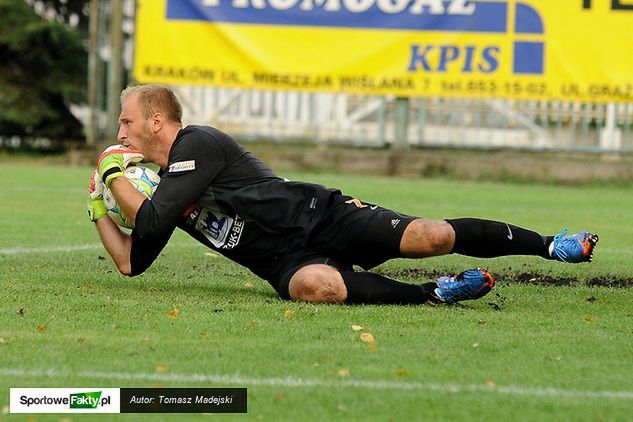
183, 400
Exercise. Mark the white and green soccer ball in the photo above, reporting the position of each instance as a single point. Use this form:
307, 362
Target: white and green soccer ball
144, 179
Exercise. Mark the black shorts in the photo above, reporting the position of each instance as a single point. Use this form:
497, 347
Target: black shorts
350, 233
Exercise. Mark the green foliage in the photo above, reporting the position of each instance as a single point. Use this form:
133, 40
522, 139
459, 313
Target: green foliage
69, 12
42, 70
524, 353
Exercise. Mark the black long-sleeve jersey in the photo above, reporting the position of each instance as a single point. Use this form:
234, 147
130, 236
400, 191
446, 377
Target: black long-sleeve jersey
227, 199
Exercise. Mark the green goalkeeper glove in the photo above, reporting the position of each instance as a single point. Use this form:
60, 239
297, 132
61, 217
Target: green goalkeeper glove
114, 160
96, 209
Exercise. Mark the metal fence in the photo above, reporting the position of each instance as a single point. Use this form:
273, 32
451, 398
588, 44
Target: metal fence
377, 121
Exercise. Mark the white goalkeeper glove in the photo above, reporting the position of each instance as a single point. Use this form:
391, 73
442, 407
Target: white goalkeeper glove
95, 188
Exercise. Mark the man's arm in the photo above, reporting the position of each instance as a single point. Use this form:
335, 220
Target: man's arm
129, 260
127, 197
117, 243
131, 255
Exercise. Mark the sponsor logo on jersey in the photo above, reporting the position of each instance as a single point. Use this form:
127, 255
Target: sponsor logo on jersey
223, 231
182, 166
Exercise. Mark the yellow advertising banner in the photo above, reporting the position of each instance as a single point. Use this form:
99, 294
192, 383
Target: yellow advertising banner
528, 49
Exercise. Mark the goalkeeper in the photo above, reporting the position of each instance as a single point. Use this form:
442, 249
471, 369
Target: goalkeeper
304, 239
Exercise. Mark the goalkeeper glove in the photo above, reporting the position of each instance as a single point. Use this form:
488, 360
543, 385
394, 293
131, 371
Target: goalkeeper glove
114, 160
96, 209
95, 188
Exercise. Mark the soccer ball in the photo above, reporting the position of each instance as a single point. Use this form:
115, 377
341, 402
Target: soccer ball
144, 179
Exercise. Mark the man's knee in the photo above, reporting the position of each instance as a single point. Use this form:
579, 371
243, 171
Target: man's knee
318, 283
427, 238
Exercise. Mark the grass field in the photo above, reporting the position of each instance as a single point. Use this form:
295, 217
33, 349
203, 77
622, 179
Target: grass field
551, 342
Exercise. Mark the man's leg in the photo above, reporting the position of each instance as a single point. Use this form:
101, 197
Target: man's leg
325, 284
487, 239
424, 238
317, 283
380, 242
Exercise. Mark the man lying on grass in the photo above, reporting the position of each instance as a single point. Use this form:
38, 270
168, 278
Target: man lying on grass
304, 239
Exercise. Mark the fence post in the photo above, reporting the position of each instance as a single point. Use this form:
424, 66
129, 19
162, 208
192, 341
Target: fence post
115, 74
401, 141
93, 73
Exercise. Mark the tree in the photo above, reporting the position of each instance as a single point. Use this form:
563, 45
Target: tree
42, 70
73, 13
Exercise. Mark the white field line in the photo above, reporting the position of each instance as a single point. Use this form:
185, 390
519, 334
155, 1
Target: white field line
511, 390
48, 249
70, 248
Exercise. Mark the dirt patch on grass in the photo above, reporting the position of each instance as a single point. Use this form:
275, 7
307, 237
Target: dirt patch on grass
534, 279
549, 280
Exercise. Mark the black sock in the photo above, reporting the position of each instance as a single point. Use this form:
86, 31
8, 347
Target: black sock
487, 239
364, 287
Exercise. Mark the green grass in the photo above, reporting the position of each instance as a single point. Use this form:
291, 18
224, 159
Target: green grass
68, 319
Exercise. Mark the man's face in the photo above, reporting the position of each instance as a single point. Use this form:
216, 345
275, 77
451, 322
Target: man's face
134, 129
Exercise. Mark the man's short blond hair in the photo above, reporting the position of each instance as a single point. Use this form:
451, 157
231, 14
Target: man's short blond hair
155, 98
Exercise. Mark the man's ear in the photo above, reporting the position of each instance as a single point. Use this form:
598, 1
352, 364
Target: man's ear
157, 122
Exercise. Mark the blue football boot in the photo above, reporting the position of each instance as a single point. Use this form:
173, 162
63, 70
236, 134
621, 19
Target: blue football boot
574, 248
469, 285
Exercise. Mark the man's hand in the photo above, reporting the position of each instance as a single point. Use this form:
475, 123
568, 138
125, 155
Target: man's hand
96, 207
114, 160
